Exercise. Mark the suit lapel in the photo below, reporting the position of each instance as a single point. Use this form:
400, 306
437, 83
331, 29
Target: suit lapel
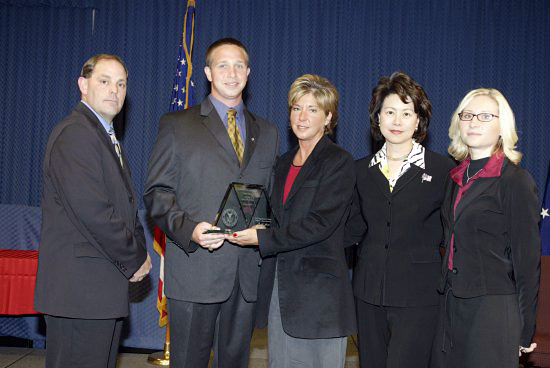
126, 172
477, 189
252, 135
308, 167
106, 141
447, 215
492, 171
405, 179
281, 172
215, 125
380, 180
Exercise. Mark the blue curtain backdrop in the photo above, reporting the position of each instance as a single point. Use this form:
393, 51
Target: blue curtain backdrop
449, 46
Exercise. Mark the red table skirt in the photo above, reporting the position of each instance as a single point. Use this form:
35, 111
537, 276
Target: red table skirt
17, 280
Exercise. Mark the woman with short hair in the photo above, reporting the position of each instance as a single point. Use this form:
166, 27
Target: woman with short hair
305, 294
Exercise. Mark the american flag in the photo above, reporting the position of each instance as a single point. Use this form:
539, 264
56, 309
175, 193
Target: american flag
545, 219
182, 98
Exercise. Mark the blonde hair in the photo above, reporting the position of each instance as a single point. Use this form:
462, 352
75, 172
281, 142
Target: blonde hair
324, 92
508, 135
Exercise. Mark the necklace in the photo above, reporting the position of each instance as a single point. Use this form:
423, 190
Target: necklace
400, 158
468, 177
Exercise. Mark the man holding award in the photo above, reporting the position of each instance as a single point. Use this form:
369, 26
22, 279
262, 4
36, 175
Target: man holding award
211, 285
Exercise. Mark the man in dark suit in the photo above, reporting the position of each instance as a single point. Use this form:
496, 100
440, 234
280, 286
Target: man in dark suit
91, 242
211, 285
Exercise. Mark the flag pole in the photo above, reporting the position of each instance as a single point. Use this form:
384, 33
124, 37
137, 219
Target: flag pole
162, 357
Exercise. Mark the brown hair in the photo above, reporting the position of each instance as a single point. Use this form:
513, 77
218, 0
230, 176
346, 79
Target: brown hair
89, 65
222, 42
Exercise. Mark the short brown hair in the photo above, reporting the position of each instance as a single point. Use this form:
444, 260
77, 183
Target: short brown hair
222, 42
405, 87
89, 65
324, 92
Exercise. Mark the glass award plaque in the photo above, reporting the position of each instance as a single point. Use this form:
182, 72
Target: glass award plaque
243, 206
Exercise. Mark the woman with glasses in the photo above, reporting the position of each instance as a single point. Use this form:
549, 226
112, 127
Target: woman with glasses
490, 272
396, 220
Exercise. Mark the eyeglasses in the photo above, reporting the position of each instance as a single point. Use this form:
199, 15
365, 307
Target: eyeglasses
483, 116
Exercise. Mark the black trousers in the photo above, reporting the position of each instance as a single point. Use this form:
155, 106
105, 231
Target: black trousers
225, 327
83, 343
395, 337
477, 332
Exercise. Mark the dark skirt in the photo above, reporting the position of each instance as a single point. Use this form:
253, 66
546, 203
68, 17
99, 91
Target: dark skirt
477, 332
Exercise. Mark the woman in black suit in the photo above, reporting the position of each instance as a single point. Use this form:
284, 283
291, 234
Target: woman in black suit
490, 273
305, 295
396, 221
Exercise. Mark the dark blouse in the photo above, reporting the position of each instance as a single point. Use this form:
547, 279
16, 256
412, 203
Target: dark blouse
474, 168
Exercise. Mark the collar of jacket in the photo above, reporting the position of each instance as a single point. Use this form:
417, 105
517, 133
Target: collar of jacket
207, 106
305, 171
492, 169
415, 157
323, 142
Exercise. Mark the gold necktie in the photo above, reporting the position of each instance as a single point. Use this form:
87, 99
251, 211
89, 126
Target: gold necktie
118, 149
235, 134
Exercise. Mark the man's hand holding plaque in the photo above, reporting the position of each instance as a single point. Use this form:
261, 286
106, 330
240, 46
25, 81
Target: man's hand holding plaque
243, 206
203, 236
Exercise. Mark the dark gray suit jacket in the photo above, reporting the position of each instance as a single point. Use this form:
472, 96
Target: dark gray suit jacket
190, 168
91, 239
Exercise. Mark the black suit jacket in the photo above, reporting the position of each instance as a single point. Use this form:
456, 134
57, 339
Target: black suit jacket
497, 241
400, 233
91, 240
190, 168
315, 295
